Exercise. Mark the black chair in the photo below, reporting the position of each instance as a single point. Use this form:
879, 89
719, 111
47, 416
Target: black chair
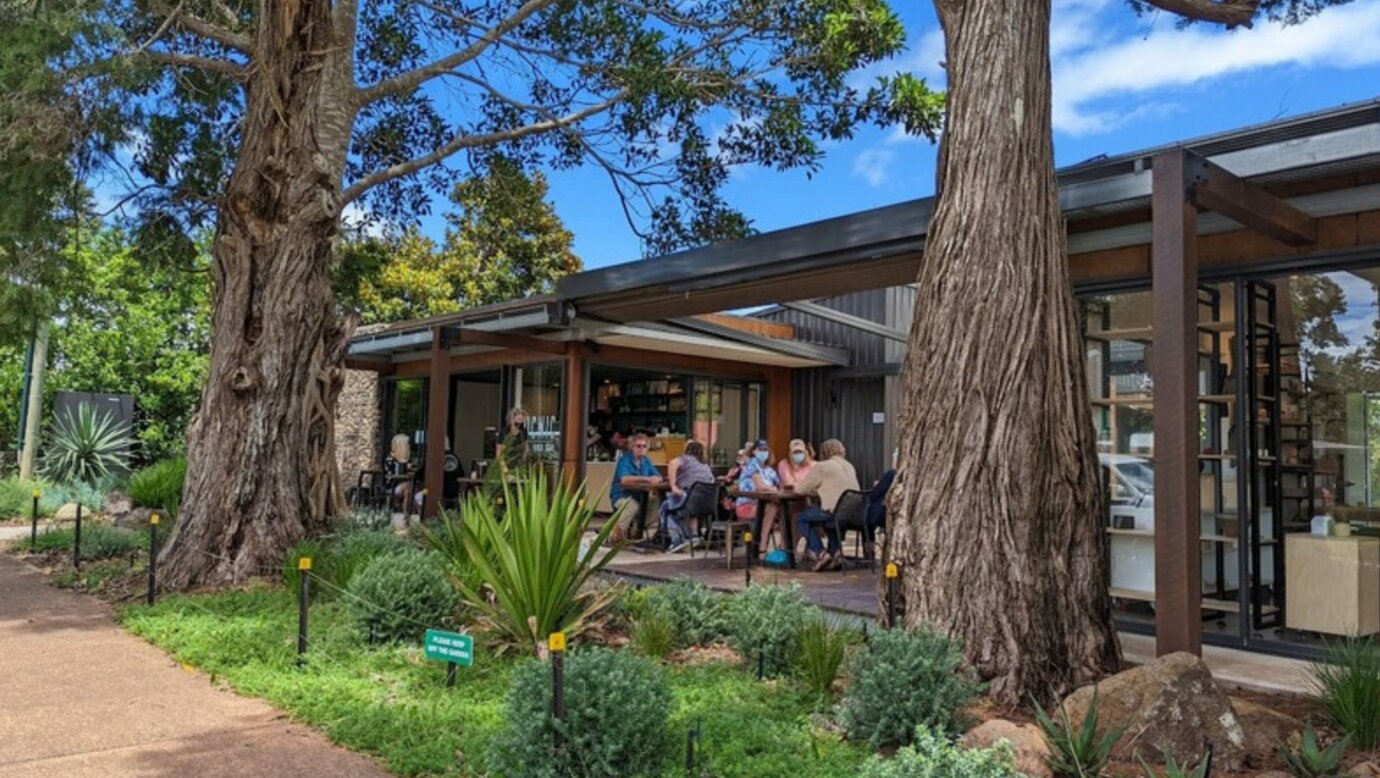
702, 505
730, 529
369, 490
851, 513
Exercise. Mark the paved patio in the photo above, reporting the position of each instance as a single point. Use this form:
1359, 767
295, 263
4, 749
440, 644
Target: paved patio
854, 592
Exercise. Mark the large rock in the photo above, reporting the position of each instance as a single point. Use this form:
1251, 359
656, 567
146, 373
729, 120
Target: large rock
1265, 729
1027, 744
1365, 770
135, 519
116, 502
1171, 703
68, 512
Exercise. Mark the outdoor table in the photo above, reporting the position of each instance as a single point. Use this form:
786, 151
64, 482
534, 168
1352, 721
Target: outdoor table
785, 498
659, 489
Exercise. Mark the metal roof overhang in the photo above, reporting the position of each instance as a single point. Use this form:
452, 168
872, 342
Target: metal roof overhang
702, 339
882, 247
531, 315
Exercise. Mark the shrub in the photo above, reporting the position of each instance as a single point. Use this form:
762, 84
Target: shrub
351, 552
1310, 761
698, 612
402, 594
1076, 753
933, 756
85, 446
820, 655
98, 541
763, 622
524, 574
1347, 683
616, 709
654, 634
159, 485
16, 497
901, 680
311, 548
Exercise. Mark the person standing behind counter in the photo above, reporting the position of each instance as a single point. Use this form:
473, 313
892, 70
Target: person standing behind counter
633, 469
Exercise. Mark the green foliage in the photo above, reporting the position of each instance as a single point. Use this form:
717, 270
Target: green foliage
308, 548
1347, 683
403, 595
615, 724
902, 680
532, 564
932, 755
821, 653
85, 446
16, 497
698, 613
159, 485
1076, 753
1172, 768
654, 634
764, 622
351, 552
1310, 761
98, 541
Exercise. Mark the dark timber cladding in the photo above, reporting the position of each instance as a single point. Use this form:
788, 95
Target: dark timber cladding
1174, 284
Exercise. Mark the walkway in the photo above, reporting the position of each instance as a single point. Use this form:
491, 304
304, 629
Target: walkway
82, 697
855, 592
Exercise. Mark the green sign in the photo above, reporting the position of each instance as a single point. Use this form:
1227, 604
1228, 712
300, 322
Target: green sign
449, 647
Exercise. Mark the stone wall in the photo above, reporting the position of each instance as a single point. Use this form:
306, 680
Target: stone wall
357, 423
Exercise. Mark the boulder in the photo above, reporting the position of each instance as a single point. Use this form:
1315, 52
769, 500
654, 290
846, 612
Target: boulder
134, 519
68, 512
1171, 703
1027, 744
1265, 729
1367, 769
116, 502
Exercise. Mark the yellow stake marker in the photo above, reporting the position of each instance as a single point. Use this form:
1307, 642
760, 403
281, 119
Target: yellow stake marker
153, 518
892, 571
38, 493
747, 537
556, 642
304, 563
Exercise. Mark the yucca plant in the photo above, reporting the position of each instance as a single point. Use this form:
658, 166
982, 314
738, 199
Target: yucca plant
524, 573
1310, 761
85, 447
1347, 683
1076, 753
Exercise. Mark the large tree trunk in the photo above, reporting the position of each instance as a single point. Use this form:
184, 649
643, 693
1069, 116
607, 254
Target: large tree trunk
998, 511
261, 466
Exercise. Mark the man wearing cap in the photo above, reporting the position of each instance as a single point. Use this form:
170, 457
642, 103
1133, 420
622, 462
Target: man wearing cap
828, 479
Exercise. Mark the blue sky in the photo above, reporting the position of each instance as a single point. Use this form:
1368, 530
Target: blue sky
1122, 83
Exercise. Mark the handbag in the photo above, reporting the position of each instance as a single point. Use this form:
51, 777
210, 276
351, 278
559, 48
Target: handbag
777, 557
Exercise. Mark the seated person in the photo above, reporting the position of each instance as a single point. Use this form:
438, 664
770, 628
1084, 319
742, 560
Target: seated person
398, 470
633, 469
875, 517
829, 479
684, 472
758, 476
795, 464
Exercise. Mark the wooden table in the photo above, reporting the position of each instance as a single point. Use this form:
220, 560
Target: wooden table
649, 489
785, 498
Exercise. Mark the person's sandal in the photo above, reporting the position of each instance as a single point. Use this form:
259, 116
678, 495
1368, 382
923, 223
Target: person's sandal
823, 563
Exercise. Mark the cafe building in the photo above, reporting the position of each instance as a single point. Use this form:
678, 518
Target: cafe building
1229, 290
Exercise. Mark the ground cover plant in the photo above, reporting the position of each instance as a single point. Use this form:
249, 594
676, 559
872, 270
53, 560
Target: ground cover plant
764, 622
932, 755
386, 701
1347, 683
159, 485
98, 541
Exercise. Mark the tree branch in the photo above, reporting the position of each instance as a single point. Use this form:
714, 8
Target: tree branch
469, 141
406, 82
224, 67
1228, 13
158, 33
224, 37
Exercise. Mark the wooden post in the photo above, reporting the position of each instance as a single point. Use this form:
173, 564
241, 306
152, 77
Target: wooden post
438, 400
573, 425
1174, 279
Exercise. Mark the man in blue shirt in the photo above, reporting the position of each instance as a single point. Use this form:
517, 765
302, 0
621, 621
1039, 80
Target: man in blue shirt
629, 506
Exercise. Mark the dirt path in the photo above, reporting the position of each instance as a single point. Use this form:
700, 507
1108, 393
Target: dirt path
81, 697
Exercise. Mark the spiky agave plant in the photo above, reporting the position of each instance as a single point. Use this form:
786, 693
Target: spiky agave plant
523, 572
85, 446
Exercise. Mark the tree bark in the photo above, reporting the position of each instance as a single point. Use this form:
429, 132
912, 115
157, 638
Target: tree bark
33, 415
261, 465
998, 509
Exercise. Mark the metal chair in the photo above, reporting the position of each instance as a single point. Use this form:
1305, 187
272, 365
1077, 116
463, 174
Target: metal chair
729, 528
369, 490
851, 513
701, 504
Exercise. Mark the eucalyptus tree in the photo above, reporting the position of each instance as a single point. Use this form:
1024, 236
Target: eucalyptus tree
998, 513
272, 117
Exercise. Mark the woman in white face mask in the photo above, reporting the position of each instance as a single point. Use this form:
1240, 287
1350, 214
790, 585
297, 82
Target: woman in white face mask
797, 462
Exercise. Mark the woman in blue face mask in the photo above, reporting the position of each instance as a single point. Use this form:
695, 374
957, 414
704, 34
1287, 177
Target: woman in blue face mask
758, 476
795, 464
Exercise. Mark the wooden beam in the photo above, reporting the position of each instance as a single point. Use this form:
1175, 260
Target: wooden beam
1218, 189
381, 366
437, 414
767, 329
470, 337
1174, 303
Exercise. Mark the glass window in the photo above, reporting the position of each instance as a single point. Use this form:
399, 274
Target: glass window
537, 390
405, 414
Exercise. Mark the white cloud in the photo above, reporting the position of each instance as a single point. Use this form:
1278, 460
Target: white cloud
873, 166
356, 218
1088, 69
